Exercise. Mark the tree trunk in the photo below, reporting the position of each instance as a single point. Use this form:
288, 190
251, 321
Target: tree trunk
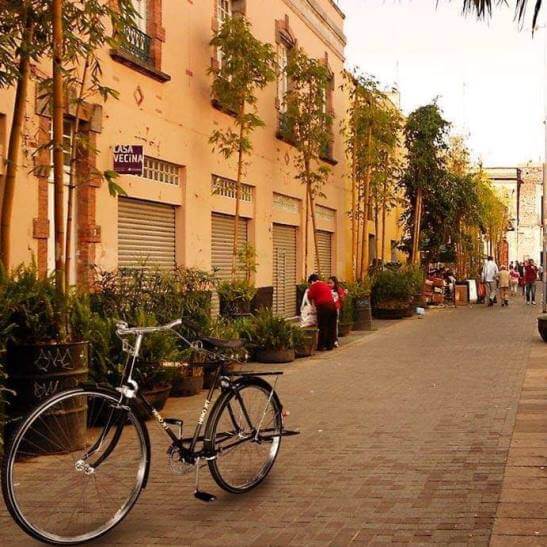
417, 228
15, 143
71, 185
306, 231
235, 249
58, 167
376, 229
365, 251
354, 217
384, 214
313, 225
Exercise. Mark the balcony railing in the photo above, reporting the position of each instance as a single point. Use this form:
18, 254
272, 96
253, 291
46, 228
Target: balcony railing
138, 44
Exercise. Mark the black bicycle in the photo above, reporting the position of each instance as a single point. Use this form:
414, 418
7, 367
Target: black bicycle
77, 464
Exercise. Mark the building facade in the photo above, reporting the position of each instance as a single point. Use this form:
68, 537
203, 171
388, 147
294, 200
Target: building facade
180, 211
521, 188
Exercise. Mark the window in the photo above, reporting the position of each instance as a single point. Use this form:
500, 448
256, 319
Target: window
161, 171
141, 18
221, 186
224, 12
282, 78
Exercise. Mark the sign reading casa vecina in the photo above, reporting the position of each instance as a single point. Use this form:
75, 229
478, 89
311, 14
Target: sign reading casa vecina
128, 159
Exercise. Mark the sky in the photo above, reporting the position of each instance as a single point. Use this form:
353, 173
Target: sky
488, 76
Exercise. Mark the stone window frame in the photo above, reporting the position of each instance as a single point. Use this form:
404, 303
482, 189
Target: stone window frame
156, 33
238, 7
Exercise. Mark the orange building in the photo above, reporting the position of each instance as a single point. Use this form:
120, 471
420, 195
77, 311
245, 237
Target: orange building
180, 211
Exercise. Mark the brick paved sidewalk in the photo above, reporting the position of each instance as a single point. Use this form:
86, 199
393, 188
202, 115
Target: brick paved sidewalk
405, 436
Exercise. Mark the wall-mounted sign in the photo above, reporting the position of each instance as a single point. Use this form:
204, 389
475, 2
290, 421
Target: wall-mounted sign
128, 159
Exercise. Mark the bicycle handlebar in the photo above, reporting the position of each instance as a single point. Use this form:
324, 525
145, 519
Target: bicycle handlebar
122, 329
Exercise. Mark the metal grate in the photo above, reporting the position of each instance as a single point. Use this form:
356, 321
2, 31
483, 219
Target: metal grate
221, 186
161, 171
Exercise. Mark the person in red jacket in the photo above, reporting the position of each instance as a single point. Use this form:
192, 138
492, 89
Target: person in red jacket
530, 278
339, 295
320, 294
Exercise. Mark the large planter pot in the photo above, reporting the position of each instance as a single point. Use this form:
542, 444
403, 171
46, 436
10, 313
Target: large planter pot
344, 328
393, 309
362, 316
157, 396
309, 343
187, 381
275, 355
35, 373
542, 326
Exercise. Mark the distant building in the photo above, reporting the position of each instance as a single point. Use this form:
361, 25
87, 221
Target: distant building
522, 187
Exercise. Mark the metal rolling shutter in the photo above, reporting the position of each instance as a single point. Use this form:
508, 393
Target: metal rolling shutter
324, 243
223, 240
146, 233
284, 270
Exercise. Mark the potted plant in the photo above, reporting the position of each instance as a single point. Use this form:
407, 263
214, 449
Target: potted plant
44, 355
186, 378
275, 338
345, 322
306, 339
542, 326
235, 297
359, 296
392, 293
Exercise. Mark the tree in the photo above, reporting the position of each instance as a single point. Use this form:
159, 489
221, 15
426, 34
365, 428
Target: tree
24, 37
425, 180
370, 131
305, 124
483, 8
247, 65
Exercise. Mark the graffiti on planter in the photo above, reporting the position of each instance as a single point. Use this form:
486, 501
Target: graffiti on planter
45, 389
49, 359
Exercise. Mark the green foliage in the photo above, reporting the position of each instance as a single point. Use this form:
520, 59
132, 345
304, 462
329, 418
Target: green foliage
359, 289
246, 260
346, 313
400, 285
271, 332
426, 134
238, 290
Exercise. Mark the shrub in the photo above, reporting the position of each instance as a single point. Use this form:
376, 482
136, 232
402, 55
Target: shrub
238, 290
270, 332
401, 284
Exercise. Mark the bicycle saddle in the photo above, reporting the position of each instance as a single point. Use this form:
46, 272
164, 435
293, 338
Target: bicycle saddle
212, 343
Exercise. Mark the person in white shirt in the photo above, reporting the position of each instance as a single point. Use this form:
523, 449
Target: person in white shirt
489, 276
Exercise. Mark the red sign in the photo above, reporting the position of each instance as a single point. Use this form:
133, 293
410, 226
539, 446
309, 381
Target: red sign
129, 159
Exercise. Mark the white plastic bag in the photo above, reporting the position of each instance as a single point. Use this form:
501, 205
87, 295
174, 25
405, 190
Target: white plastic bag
308, 313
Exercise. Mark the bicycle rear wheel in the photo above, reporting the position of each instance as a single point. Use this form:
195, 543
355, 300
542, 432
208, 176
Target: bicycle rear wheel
52, 490
244, 432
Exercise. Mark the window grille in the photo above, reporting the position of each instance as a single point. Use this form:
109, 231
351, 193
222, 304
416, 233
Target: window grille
161, 171
225, 187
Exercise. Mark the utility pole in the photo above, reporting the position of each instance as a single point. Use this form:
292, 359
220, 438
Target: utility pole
544, 197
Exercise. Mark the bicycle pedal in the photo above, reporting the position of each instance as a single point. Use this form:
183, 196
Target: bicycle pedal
204, 496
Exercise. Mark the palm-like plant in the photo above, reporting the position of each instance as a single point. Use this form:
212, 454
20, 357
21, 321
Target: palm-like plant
483, 8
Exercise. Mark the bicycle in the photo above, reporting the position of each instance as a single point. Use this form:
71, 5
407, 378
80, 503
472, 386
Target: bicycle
77, 464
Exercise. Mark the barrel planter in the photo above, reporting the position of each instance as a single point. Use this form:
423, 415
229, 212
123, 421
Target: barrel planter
362, 315
187, 381
309, 343
542, 326
275, 355
35, 373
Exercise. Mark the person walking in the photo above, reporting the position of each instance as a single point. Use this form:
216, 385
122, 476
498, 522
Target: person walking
530, 278
520, 269
320, 294
339, 295
514, 280
489, 276
504, 279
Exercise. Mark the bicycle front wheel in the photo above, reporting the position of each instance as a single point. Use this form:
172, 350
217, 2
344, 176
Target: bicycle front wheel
75, 467
244, 432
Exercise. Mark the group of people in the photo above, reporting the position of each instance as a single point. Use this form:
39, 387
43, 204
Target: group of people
523, 275
321, 307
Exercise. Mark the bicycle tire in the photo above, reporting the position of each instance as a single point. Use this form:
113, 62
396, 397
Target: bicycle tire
62, 400
268, 396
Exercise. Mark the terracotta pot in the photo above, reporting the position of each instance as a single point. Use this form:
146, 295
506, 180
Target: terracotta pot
275, 355
185, 386
393, 309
